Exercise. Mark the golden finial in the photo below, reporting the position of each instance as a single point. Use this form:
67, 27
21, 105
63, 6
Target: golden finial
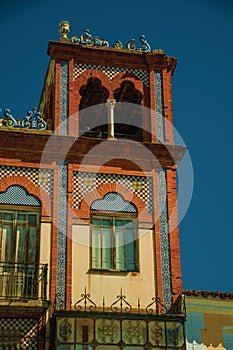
64, 29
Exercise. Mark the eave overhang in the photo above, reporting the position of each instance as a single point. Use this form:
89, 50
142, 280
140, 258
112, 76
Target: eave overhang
48, 148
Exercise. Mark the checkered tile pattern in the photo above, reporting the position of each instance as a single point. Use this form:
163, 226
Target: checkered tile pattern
111, 72
86, 182
113, 202
40, 177
22, 332
16, 195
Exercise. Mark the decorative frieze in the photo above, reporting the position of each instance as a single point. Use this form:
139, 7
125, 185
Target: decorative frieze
86, 182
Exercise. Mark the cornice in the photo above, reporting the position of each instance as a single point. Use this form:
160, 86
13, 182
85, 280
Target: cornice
111, 57
32, 146
208, 294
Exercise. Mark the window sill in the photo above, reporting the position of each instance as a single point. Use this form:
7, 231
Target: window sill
112, 272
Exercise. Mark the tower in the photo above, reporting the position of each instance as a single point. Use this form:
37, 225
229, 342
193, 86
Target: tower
98, 167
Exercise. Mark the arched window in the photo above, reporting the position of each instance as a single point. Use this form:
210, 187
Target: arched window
19, 226
93, 122
114, 234
93, 93
128, 118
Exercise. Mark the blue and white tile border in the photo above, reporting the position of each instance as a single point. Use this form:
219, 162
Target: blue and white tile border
164, 239
158, 81
62, 234
64, 76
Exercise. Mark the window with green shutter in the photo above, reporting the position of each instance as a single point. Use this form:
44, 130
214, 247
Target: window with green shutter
114, 234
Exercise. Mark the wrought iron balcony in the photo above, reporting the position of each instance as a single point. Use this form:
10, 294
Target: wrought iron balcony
119, 325
23, 281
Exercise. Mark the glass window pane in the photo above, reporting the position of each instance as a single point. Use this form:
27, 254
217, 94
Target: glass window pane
7, 241
32, 240
8, 216
119, 248
112, 250
119, 223
106, 223
32, 219
20, 244
130, 257
22, 217
129, 224
106, 238
106, 248
96, 250
95, 222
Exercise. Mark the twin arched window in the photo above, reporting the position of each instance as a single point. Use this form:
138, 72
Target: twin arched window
127, 116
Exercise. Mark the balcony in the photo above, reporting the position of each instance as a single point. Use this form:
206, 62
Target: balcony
23, 281
119, 325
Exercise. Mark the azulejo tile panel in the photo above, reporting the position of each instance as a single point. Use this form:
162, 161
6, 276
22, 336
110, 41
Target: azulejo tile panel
158, 79
63, 125
42, 178
111, 72
164, 239
86, 182
62, 231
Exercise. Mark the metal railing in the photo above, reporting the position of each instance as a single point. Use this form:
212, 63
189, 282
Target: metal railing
23, 281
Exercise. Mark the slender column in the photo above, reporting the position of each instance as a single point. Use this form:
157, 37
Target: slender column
111, 104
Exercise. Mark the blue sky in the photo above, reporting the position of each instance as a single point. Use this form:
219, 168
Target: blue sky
200, 34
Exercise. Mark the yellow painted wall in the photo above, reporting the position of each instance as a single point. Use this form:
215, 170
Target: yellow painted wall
101, 285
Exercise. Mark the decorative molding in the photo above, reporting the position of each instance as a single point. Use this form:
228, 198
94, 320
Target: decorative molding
42, 178
139, 185
111, 72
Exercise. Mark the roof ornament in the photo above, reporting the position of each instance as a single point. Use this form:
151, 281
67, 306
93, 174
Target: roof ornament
130, 45
87, 39
9, 120
64, 29
145, 46
118, 45
33, 120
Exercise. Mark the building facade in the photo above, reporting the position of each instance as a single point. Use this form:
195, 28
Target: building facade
209, 323
89, 239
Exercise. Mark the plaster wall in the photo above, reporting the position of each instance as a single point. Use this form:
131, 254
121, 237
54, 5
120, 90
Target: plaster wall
108, 285
45, 247
209, 324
